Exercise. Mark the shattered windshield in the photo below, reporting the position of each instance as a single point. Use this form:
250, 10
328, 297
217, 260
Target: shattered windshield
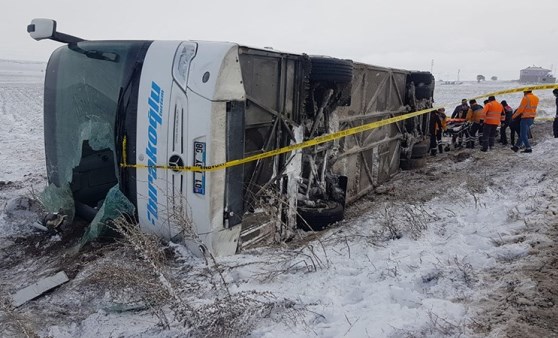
82, 89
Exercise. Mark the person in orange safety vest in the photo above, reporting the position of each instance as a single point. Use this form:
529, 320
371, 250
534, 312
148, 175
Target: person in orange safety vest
493, 112
437, 125
527, 110
473, 117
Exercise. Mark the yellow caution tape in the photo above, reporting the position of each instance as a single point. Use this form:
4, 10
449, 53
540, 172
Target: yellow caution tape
124, 155
315, 141
520, 89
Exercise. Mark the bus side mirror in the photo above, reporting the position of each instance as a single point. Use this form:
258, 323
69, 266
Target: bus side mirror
40, 29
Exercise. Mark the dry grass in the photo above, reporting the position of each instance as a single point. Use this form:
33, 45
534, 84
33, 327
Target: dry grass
199, 303
404, 219
13, 323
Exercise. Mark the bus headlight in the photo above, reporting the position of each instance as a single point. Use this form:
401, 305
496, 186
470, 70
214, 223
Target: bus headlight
181, 64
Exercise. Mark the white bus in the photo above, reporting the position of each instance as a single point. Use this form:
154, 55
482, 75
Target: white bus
197, 103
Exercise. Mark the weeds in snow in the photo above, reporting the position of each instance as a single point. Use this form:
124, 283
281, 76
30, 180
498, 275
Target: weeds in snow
405, 219
443, 326
458, 270
437, 326
13, 323
200, 302
304, 260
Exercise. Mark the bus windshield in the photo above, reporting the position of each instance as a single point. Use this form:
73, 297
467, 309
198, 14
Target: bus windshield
83, 91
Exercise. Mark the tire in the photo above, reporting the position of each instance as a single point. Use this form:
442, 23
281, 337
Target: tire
420, 150
424, 92
422, 79
413, 163
331, 70
317, 218
424, 85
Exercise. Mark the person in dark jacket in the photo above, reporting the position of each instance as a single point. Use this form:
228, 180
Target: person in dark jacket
555, 123
435, 128
460, 112
506, 121
514, 129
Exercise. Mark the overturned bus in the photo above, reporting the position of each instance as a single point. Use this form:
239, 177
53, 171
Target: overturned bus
130, 115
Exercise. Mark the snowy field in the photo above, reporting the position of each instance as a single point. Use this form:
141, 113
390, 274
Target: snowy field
463, 247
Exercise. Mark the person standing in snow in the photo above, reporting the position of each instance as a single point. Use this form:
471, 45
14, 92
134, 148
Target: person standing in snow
492, 111
527, 110
474, 118
555, 123
514, 128
506, 121
435, 126
444, 122
460, 112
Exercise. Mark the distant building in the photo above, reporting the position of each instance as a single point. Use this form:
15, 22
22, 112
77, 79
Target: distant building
536, 75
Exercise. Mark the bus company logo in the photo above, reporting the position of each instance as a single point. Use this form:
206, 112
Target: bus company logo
155, 117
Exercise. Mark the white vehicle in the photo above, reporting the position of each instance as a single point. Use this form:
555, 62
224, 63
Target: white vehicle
197, 103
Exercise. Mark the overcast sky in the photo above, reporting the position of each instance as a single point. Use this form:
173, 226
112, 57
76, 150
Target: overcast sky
489, 37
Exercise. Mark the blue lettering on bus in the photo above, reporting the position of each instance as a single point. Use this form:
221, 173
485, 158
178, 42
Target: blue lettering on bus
155, 117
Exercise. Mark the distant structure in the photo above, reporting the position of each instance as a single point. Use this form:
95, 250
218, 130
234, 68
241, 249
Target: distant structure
480, 78
536, 75
454, 82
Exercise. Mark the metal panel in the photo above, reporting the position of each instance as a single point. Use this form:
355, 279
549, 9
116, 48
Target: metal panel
367, 159
235, 175
273, 83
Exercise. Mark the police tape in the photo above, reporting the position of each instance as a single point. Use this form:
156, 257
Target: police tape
293, 147
545, 118
315, 141
517, 90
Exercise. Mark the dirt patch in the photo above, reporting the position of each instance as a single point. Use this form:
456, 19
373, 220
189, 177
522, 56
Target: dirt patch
525, 303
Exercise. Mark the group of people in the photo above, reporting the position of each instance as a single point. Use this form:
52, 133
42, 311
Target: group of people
471, 120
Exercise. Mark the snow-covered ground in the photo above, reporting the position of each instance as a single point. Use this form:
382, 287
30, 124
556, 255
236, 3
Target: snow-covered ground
462, 247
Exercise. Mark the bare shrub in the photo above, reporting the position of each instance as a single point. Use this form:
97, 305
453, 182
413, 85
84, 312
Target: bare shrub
436, 327
237, 315
443, 326
149, 248
303, 260
405, 219
466, 271
137, 285
458, 270
13, 323
224, 313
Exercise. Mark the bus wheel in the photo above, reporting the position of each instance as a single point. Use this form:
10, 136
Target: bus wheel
318, 217
412, 163
420, 150
331, 69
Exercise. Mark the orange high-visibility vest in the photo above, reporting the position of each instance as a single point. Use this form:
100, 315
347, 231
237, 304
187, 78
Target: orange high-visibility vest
481, 114
475, 115
528, 107
443, 122
493, 111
